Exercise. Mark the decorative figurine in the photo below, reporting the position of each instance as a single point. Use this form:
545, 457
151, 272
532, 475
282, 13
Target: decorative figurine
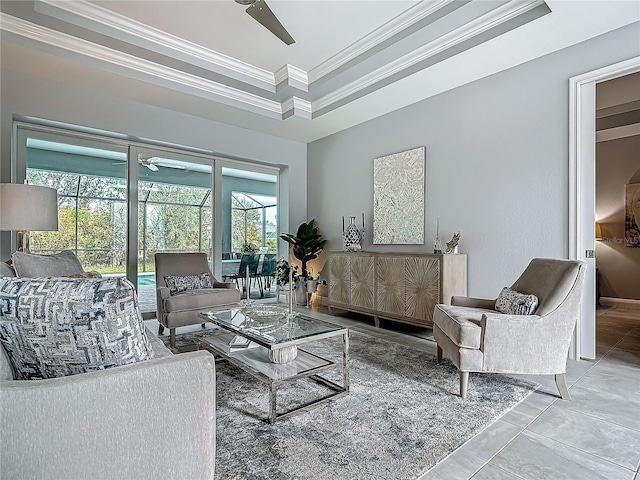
452, 245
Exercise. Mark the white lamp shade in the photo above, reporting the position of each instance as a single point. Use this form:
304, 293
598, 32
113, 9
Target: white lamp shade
28, 207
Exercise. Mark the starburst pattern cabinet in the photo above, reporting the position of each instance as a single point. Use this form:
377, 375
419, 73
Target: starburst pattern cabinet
404, 287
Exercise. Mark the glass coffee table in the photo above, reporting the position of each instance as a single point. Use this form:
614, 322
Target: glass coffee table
273, 356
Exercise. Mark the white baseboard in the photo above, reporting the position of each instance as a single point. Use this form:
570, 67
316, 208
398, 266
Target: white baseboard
612, 302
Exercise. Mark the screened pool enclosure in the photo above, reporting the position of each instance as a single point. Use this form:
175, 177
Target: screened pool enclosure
175, 206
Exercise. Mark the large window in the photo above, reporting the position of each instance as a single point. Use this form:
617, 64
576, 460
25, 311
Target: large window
92, 219
253, 221
100, 179
172, 218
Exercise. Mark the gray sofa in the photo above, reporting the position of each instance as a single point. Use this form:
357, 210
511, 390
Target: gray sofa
146, 420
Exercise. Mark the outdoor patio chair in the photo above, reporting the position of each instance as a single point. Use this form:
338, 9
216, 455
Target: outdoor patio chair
247, 260
268, 270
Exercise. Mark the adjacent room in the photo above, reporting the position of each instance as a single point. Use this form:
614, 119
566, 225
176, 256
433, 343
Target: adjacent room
277, 239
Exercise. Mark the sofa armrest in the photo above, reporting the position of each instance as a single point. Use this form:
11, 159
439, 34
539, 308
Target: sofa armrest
474, 302
223, 285
524, 344
149, 420
162, 292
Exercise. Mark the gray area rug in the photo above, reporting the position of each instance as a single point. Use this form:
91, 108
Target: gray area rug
402, 415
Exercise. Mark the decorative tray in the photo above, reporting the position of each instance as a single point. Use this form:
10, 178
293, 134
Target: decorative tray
264, 313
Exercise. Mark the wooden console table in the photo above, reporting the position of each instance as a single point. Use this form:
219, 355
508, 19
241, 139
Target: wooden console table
404, 287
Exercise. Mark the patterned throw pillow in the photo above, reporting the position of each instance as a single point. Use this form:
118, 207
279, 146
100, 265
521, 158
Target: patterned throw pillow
54, 327
516, 303
177, 284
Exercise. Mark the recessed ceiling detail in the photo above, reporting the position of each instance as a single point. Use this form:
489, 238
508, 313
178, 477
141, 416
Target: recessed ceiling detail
425, 34
352, 60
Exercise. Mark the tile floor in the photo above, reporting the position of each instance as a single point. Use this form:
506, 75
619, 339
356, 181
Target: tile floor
596, 435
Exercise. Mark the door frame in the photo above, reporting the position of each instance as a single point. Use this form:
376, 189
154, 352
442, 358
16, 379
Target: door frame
582, 143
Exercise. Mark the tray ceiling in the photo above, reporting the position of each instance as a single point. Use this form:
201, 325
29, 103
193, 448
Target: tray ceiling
352, 60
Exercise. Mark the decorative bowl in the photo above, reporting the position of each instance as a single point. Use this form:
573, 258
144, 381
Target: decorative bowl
265, 313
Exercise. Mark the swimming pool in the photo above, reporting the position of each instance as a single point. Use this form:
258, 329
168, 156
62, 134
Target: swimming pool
145, 279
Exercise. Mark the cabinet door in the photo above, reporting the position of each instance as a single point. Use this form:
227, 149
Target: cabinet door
390, 285
339, 279
422, 287
362, 281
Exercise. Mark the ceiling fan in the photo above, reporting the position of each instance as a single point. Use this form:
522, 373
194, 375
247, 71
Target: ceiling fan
152, 163
259, 10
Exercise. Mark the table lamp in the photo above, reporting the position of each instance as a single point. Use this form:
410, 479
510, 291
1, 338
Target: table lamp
25, 208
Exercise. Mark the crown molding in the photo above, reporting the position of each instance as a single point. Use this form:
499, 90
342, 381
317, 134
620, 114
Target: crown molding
298, 107
393, 27
82, 13
205, 88
618, 132
294, 77
152, 72
455, 37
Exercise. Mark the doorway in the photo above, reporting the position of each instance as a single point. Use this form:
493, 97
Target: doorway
582, 167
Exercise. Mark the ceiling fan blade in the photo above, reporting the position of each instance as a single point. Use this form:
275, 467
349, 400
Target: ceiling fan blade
168, 165
151, 167
165, 162
263, 14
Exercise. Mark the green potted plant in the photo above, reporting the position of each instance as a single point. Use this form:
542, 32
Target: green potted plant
307, 243
250, 249
282, 272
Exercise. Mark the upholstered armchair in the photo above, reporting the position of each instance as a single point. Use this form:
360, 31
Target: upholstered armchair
180, 293
479, 338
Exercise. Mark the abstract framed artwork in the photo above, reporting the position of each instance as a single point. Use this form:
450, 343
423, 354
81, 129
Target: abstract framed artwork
632, 215
398, 198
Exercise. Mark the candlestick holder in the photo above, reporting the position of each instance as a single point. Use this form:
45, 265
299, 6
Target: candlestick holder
437, 244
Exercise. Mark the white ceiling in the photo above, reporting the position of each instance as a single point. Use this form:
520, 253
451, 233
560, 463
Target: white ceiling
353, 60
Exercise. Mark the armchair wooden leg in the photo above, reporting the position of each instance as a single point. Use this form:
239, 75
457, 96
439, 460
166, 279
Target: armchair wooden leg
464, 380
439, 354
160, 329
561, 383
172, 337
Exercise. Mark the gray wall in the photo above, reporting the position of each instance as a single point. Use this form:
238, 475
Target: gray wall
497, 163
617, 164
25, 95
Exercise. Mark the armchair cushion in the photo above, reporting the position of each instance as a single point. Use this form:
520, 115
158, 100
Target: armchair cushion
181, 283
460, 324
516, 303
200, 298
60, 264
54, 327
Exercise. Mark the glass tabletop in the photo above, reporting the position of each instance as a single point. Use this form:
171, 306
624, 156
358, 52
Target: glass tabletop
283, 329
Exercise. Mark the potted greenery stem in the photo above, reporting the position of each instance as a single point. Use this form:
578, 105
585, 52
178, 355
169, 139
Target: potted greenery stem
307, 244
